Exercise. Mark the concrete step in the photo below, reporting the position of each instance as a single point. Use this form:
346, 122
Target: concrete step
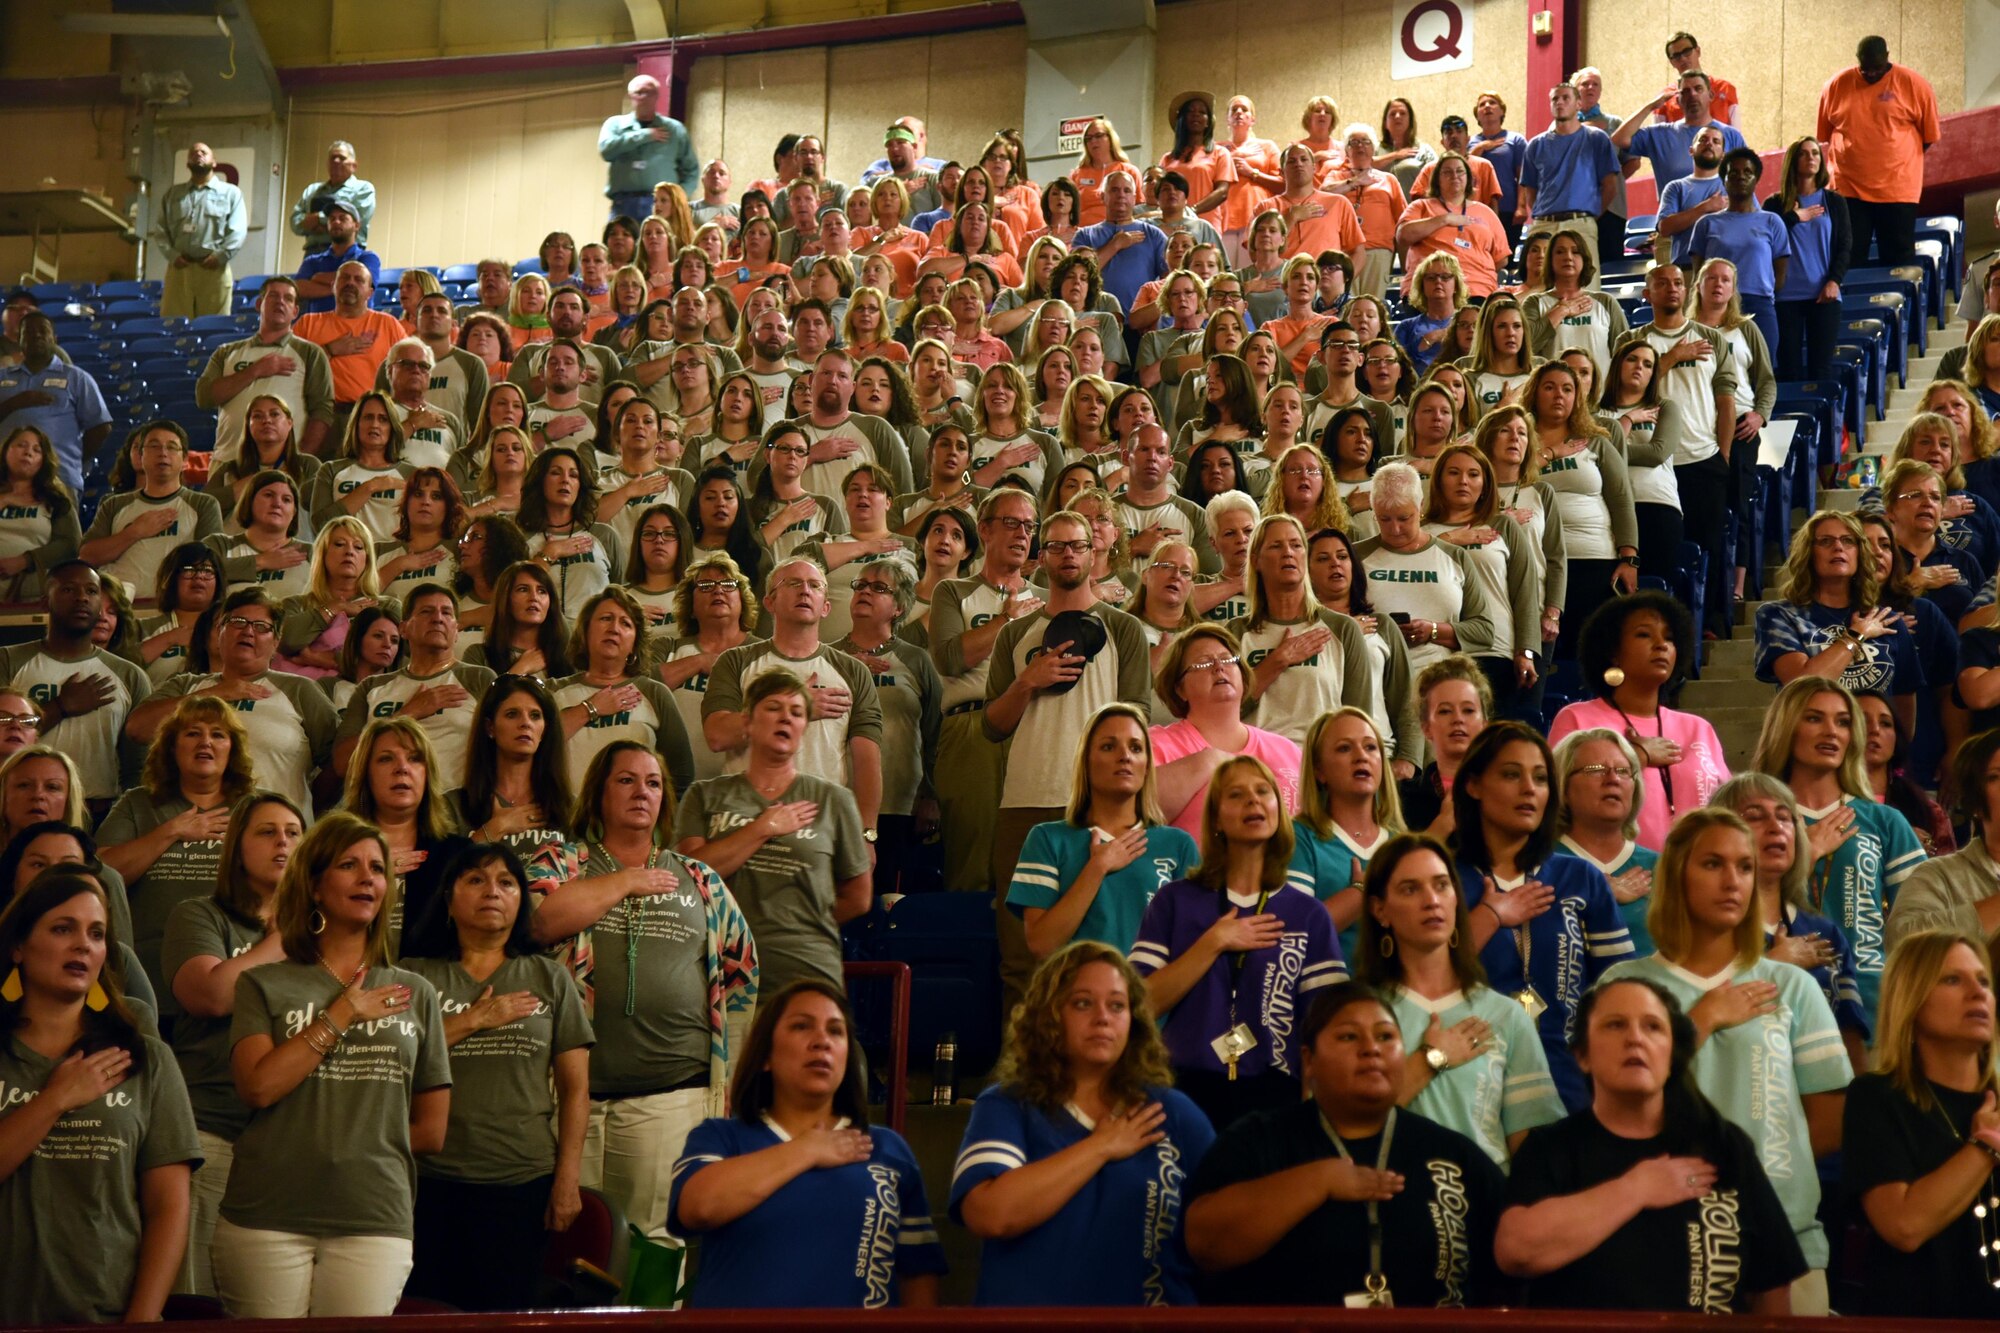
1737, 728
1726, 659
1711, 695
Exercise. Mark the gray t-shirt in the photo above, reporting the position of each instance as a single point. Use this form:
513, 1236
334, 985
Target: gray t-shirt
346, 1128
786, 888
202, 928
824, 751
185, 870
71, 1210
450, 731
1043, 755
911, 695
91, 739
503, 1128
655, 722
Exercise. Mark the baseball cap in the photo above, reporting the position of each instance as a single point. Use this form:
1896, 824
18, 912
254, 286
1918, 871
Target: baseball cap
1083, 632
343, 205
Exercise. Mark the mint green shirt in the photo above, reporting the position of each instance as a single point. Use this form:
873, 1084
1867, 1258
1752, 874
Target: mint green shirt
1501, 1091
1758, 1073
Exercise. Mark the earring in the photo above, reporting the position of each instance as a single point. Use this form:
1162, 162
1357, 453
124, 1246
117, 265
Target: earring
97, 1000
316, 922
1614, 676
1388, 946
1454, 937
10, 990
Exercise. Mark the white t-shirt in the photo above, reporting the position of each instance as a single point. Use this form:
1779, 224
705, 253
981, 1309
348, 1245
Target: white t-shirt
1300, 693
90, 739
1489, 566
429, 446
379, 515
450, 730
639, 723
231, 416
1578, 484
1691, 385
1426, 585
687, 698
137, 567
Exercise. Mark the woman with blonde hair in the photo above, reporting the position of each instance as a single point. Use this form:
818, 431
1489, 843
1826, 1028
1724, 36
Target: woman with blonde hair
1089, 875
528, 311
1768, 1053
344, 583
316, 1223
1810, 742
1922, 1136
1210, 948
1348, 809
888, 235
1102, 154
1307, 658
394, 782
1830, 619
1302, 488
1004, 444
1501, 357
1067, 1149
164, 837
1967, 522
1956, 401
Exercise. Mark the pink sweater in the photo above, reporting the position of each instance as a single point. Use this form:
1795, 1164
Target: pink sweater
1695, 778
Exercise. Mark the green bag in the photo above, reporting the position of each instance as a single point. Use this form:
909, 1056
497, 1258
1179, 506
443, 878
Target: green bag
653, 1273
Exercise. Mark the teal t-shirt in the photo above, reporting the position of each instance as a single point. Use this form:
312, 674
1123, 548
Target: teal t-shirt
70, 1212
1633, 857
202, 928
1501, 1091
1325, 866
1056, 853
332, 1157
503, 1129
1857, 885
1757, 1072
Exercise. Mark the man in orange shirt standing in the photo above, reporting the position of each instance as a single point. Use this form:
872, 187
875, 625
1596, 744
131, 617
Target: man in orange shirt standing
1378, 203
1316, 220
356, 339
1877, 121
1685, 54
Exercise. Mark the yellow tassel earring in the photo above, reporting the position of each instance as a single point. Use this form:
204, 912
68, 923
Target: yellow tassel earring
97, 1001
10, 990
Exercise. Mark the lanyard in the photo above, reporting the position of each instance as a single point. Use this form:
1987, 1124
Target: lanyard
1376, 1281
1238, 958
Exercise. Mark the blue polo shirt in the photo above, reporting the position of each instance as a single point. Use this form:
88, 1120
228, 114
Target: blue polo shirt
1133, 267
1670, 148
1566, 171
77, 407
1411, 332
1752, 241
325, 263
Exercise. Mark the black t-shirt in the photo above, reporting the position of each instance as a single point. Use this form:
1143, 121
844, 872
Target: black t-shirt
1978, 649
1437, 1247
1711, 1255
1423, 798
1887, 1138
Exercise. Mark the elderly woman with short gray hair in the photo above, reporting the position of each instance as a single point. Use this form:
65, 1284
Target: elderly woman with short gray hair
1428, 587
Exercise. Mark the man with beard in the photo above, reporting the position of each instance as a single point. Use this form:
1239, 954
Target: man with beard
569, 312
1694, 196
82, 692
811, 155
1041, 695
769, 366
202, 223
1669, 148
560, 416
1877, 121
318, 270
60, 400
356, 339
843, 439
967, 616
843, 740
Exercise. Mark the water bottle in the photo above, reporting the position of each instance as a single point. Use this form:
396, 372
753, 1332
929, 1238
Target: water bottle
944, 1071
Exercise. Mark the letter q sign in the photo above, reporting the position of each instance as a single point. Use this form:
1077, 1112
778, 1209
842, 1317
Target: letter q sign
1429, 37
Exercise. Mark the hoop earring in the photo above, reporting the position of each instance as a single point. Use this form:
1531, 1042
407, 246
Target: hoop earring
11, 990
1388, 946
1454, 937
316, 922
97, 1000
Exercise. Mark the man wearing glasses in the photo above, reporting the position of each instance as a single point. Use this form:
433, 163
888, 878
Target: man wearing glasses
289, 718
431, 435
967, 616
458, 379
1340, 358
134, 531
434, 689
1685, 54
81, 693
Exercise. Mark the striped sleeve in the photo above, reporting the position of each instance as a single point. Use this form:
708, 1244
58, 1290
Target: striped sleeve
709, 1142
996, 1141
1037, 879
1528, 1095
1150, 950
1901, 852
1819, 1057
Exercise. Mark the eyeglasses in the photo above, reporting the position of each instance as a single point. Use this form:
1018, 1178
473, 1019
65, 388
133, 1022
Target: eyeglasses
1012, 524
1604, 771
1835, 543
1932, 496
1339, 345
1683, 53
1074, 548
795, 450
715, 585
20, 719
665, 536
872, 585
1379, 361
1297, 470
1212, 664
407, 364
259, 628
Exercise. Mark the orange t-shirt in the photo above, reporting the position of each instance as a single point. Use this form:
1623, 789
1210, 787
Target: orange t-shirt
1485, 182
940, 238
1204, 168
1335, 227
1875, 133
1380, 206
353, 374
1285, 328
1021, 208
743, 278
1481, 249
1003, 264
1245, 195
904, 254
888, 349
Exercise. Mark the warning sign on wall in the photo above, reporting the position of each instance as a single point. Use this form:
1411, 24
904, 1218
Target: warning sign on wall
1069, 133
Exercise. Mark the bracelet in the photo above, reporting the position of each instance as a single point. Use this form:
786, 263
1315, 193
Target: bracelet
317, 1048
1986, 1148
334, 1032
590, 711
1492, 911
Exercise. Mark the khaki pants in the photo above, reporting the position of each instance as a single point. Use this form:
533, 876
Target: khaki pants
195, 291
205, 1206
630, 1149
1809, 1294
1584, 227
1017, 960
280, 1275
969, 771
1371, 272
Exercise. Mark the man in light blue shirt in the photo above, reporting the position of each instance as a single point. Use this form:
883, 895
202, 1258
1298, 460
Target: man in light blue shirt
1568, 175
1130, 253
1669, 148
202, 224
309, 213
1694, 196
56, 398
646, 149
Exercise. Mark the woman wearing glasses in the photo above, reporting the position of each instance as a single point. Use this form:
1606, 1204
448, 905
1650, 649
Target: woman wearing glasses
1201, 681
785, 514
1597, 774
716, 611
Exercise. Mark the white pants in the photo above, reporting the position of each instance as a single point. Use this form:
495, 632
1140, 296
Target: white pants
279, 1275
205, 1205
1809, 1294
630, 1149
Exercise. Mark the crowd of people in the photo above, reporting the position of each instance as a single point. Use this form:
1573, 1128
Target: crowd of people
1178, 554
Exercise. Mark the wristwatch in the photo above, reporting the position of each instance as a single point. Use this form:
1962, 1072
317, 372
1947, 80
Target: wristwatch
1436, 1059
1631, 560
868, 835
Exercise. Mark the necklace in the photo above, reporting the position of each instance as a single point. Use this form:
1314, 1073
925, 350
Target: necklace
1986, 1211
634, 910
346, 982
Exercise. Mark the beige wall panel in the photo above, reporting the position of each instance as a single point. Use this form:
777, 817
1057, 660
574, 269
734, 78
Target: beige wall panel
1933, 42
978, 84
770, 94
62, 143
706, 106
868, 86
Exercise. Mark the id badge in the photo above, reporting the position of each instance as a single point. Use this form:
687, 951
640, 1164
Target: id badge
1376, 1297
1530, 999
1234, 1044
1462, 243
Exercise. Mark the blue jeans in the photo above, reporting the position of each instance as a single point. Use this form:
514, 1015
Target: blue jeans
1763, 312
638, 207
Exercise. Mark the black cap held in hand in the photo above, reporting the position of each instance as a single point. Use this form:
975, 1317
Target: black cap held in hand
1083, 632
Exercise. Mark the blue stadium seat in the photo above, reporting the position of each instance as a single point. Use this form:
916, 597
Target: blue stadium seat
252, 283
948, 941
134, 309
532, 264
1821, 401
150, 327
60, 292
214, 324
461, 273
163, 369
127, 289
389, 277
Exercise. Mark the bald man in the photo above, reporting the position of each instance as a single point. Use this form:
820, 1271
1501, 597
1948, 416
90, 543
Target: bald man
646, 149
202, 223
